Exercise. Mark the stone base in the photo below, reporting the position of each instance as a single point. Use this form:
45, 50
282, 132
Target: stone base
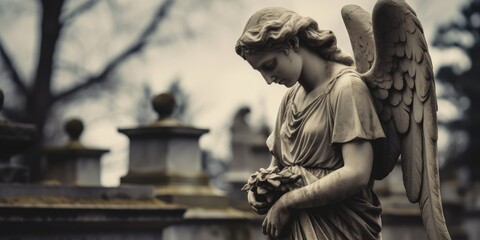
191, 191
192, 196
213, 223
224, 229
86, 222
72, 192
163, 179
68, 212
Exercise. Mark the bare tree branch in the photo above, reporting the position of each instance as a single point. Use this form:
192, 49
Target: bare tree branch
12, 70
130, 51
39, 101
79, 10
71, 67
159, 16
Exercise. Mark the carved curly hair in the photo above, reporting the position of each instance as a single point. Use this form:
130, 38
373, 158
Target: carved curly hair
273, 28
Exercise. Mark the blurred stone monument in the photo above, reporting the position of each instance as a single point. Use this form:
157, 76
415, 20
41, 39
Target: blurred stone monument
74, 163
249, 153
14, 139
165, 153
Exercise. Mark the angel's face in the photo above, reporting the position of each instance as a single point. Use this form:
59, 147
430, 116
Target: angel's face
281, 67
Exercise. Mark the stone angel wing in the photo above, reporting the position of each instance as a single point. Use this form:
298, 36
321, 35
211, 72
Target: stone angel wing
396, 66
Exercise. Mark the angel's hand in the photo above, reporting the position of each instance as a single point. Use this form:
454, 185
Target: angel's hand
260, 207
277, 218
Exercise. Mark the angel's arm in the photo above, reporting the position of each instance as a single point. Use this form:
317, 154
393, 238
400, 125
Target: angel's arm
339, 184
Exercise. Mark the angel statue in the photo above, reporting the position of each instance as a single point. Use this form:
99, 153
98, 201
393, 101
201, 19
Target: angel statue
344, 123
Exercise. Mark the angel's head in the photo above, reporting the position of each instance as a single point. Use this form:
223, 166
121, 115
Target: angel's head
276, 28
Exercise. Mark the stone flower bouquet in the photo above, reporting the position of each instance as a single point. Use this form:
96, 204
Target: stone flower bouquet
270, 184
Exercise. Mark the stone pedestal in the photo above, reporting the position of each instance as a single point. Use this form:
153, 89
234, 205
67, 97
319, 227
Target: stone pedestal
166, 154
170, 159
74, 166
170, 150
73, 163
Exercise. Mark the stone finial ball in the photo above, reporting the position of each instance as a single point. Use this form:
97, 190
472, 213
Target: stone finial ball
1, 99
164, 104
74, 128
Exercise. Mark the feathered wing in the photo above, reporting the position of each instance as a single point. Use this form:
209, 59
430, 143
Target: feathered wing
401, 81
359, 27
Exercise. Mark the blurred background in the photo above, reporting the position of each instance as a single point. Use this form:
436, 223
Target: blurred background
104, 60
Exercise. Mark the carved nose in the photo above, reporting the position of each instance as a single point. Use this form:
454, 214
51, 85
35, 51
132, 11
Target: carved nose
269, 80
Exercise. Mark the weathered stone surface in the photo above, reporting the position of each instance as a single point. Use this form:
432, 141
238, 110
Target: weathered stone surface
338, 110
67, 212
164, 153
75, 192
73, 163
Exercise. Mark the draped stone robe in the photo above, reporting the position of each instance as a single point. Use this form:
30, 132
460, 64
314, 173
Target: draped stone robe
307, 140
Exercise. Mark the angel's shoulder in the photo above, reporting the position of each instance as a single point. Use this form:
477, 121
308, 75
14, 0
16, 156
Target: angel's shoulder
349, 83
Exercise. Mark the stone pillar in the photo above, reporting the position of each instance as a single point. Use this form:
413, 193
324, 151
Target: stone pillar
14, 139
166, 154
73, 163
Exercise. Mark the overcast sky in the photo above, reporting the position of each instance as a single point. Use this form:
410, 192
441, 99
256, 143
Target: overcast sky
218, 81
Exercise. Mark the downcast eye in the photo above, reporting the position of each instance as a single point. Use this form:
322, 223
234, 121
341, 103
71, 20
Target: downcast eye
270, 65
